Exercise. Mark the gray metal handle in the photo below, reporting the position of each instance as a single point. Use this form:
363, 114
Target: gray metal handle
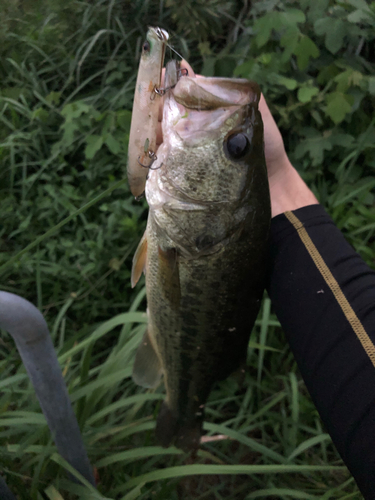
30, 332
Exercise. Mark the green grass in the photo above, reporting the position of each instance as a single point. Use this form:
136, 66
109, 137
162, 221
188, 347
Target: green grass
69, 227
267, 444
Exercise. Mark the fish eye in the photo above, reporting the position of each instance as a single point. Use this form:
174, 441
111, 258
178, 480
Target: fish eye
146, 46
237, 146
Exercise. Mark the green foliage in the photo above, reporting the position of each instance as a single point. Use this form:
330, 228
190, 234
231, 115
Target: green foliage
68, 228
313, 65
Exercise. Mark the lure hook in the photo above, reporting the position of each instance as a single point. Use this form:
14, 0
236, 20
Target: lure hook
153, 158
162, 91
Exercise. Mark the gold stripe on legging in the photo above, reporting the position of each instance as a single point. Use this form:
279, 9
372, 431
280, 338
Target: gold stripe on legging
346, 308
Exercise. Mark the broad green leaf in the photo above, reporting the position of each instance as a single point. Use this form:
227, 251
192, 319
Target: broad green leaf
263, 27
113, 144
305, 94
41, 114
275, 21
322, 25
245, 69
315, 144
315, 9
348, 78
292, 17
75, 109
94, 143
337, 106
334, 31
327, 73
265, 58
359, 4
305, 49
69, 128
360, 16
289, 41
53, 97
289, 83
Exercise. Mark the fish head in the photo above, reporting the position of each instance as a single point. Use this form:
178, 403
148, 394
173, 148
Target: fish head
213, 137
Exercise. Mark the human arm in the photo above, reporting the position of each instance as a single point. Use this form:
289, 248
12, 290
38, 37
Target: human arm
323, 293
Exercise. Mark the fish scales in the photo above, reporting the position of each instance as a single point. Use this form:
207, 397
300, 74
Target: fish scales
206, 255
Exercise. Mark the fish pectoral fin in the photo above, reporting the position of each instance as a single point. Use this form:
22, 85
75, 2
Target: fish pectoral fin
147, 370
139, 261
169, 277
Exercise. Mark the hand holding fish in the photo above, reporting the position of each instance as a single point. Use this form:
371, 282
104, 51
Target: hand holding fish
287, 189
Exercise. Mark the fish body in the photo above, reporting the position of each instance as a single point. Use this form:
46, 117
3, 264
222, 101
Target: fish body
204, 251
142, 138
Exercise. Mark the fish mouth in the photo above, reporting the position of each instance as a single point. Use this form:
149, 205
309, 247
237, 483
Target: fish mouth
199, 109
206, 94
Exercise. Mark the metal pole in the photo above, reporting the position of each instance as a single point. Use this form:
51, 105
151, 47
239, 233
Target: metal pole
30, 332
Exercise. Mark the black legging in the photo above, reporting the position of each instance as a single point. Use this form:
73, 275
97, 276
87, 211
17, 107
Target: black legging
324, 297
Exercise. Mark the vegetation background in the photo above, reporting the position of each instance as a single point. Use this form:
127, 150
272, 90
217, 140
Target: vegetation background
68, 228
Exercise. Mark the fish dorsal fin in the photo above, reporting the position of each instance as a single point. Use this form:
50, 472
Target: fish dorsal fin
147, 370
139, 261
169, 276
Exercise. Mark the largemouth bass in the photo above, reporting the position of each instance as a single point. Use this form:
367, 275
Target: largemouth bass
142, 139
204, 251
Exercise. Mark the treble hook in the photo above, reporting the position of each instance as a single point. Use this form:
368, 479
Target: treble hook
162, 92
180, 72
153, 158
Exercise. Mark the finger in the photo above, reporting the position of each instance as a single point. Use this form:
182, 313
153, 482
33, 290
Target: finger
186, 65
264, 109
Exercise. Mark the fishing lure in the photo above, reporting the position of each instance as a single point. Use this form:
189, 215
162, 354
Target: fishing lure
142, 139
